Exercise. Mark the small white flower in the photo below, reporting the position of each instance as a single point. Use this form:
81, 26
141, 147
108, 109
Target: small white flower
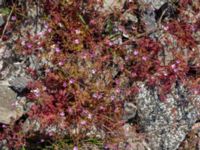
95, 95
36, 92
165, 28
23, 42
77, 31
93, 71
89, 116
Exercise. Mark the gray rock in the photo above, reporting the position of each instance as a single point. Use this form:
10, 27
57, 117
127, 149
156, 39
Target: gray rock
112, 5
1, 2
19, 83
166, 123
154, 3
2, 50
8, 107
149, 20
1, 20
130, 17
129, 110
1, 65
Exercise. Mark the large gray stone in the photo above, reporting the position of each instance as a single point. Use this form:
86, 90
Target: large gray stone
8, 108
166, 123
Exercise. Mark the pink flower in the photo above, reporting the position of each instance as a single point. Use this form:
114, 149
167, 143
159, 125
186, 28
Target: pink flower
92, 22
49, 30
69, 110
61, 63
50, 134
77, 41
84, 56
57, 50
102, 108
110, 43
117, 81
29, 45
95, 95
112, 98
165, 74
13, 104
75, 148
175, 70
83, 122
165, 28
62, 114
71, 81
47, 70
135, 52
46, 26
64, 84
13, 18
118, 90
195, 92
173, 66
40, 33
100, 96
144, 58
134, 74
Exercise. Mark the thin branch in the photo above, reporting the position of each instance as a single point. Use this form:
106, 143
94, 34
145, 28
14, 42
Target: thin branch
4, 30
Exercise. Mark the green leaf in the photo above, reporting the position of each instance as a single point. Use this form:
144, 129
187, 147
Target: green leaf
82, 19
4, 11
23, 148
